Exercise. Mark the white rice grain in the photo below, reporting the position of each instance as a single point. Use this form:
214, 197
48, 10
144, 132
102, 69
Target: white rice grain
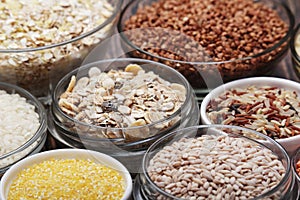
18, 123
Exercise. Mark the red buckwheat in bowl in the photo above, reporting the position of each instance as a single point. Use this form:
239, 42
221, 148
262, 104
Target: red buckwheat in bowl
266, 104
227, 39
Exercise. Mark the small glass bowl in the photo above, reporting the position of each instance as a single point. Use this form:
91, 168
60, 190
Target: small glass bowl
295, 159
202, 73
295, 50
38, 69
79, 134
145, 188
37, 141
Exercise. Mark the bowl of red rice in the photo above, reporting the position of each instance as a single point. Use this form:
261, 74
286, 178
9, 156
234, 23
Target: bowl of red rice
268, 105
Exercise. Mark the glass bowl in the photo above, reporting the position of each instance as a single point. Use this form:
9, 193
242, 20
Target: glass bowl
204, 162
260, 120
295, 49
121, 139
37, 55
223, 55
70, 154
34, 143
295, 159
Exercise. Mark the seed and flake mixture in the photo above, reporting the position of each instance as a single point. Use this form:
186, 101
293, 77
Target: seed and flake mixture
18, 123
270, 110
67, 179
123, 98
50, 22
215, 167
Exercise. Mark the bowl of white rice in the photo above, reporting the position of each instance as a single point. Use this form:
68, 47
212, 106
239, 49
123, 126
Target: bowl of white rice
22, 125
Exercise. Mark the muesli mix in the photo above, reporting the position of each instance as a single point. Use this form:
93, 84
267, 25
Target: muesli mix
123, 98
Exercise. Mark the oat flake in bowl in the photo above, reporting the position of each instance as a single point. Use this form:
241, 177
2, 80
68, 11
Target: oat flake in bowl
122, 98
125, 100
121, 106
38, 46
265, 104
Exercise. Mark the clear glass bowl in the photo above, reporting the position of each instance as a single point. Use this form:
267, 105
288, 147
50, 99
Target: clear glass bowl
83, 135
37, 141
145, 188
201, 72
38, 69
295, 54
295, 159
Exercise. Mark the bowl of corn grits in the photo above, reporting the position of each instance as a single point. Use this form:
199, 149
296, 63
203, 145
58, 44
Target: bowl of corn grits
67, 174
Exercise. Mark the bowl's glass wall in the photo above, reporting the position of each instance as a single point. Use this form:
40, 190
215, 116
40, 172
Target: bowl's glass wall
149, 190
129, 152
295, 159
294, 52
39, 69
34, 144
197, 70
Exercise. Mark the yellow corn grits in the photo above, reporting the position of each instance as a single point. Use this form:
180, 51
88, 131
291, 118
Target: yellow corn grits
67, 179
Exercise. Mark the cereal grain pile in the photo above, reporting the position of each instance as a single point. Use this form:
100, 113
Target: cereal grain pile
18, 123
123, 98
215, 167
270, 110
49, 23
67, 179
207, 30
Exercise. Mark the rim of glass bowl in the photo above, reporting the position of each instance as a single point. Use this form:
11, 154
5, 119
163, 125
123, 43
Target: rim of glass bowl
67, 77
288, 34
11, 89
116, 10
34, 150
296, 32
120, 142
218, 126
295, 159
